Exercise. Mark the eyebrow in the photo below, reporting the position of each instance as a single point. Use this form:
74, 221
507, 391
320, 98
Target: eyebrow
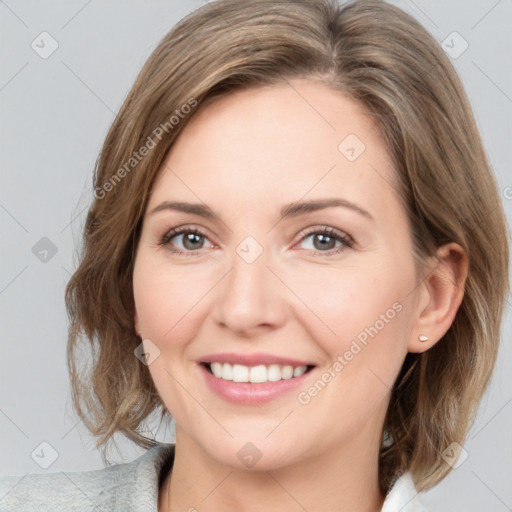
287, 211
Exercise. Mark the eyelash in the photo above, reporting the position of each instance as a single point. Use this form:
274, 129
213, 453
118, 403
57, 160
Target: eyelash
346, 240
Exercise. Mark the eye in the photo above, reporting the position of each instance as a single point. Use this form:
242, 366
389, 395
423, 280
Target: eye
324, 240
192, 239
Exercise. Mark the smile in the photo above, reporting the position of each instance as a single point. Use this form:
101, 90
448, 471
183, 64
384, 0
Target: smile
255, 374
253, 379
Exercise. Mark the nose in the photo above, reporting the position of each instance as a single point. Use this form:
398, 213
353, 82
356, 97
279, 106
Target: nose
251, 298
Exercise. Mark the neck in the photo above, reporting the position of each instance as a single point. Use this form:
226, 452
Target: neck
345, 480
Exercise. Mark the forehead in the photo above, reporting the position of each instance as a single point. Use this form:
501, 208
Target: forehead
265, 143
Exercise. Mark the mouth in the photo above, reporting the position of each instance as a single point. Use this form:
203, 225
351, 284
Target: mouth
257, 374
253, 379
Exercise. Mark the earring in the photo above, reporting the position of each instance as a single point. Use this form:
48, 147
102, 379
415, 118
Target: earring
423, 338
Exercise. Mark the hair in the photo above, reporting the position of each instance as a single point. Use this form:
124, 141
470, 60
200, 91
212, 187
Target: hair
380, 57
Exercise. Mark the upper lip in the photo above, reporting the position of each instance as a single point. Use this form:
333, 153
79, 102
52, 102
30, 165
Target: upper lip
253, 359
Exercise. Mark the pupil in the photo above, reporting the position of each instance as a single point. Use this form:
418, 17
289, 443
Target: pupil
189, 239
323, 238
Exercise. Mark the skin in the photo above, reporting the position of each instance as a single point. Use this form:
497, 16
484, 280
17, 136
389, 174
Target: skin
246, 155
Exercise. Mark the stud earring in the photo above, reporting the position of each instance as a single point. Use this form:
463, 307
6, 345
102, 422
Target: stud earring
423, 338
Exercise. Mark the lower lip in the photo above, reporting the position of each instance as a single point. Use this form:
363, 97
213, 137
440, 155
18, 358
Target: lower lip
247, 393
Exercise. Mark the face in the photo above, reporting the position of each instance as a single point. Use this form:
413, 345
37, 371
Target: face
251, 285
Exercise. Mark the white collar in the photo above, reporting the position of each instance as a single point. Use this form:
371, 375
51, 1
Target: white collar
403, 496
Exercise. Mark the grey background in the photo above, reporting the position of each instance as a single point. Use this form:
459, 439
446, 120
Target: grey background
55, 114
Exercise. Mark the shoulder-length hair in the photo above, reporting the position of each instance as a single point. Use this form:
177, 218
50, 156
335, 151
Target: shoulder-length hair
380, 57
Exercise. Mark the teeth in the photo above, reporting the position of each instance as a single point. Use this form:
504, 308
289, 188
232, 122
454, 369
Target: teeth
255, 374
216, 369
240, 373
227, 372
258, 373
287, 372
300, 370
274, 372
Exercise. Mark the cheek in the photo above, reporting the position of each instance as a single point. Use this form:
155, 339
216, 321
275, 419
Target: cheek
361, 315
166, 298
345, 301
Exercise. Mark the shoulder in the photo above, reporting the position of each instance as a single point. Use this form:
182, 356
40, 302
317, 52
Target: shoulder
403, 496
131, 486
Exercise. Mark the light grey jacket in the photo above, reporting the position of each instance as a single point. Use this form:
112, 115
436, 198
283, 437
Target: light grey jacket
130, 487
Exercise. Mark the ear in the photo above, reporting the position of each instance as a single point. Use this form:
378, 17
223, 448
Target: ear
440, 296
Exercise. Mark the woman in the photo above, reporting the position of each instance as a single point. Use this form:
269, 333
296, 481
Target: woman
288, 252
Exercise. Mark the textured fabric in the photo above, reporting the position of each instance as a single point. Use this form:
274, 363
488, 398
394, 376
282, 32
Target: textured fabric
130, 487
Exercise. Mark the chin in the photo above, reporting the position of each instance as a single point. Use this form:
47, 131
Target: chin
253, 456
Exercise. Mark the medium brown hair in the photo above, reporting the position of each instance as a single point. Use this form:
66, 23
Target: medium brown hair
379, 56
